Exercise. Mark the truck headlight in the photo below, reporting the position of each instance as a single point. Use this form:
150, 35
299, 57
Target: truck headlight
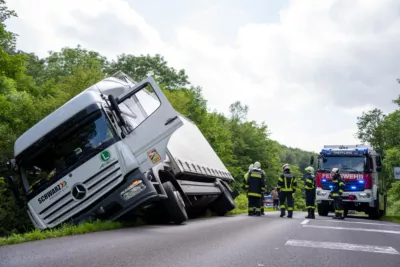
321, 193
133, 189
365, 195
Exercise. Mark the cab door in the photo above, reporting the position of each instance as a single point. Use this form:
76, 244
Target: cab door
152, 120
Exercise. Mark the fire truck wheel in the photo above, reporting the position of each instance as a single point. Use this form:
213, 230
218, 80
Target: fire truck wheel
323, 210
373, 212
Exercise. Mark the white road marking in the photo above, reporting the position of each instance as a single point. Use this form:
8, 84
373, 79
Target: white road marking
341, 246
354, 229
305, 222
383, 224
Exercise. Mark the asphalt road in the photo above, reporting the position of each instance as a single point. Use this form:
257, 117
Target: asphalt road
223, 241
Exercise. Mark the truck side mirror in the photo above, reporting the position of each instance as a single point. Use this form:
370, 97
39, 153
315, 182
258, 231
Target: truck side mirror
11, 165
312, 160
14, 189
115, 108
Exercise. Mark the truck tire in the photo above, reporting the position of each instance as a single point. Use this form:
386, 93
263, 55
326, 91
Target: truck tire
224, 203
383, 212
374, 212
323, 210
174, 204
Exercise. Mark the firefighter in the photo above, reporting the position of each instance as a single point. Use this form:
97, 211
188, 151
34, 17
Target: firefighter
287, 186
255, 188
336, 193
310, 192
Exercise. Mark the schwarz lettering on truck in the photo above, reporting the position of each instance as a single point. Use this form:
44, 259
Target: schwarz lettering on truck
52, 192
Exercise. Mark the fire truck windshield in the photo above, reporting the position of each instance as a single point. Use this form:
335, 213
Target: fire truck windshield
346, 164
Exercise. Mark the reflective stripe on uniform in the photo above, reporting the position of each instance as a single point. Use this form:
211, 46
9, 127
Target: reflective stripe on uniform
287, 189
256, 175
250, 194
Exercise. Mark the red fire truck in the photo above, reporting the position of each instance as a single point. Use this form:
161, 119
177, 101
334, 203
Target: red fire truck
359, 165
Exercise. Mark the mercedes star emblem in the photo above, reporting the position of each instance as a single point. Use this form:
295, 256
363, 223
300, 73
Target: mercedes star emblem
78, 191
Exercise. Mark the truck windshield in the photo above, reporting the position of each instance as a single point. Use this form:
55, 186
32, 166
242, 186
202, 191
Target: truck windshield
65, 148
347, 164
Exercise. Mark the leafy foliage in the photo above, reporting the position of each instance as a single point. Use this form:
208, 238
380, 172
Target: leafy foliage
382, 131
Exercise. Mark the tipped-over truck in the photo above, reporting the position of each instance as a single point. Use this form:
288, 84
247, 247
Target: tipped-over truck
117, 148
359, 165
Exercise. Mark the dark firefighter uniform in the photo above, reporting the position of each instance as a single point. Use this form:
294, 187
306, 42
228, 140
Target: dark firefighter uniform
287, 186
336, 193
262, 197
309, 186
255, 186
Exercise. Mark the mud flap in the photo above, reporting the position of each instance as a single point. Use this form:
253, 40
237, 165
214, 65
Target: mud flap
234, 193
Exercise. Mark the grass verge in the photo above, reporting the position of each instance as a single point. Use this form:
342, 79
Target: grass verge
241, 203
395, 219
65, 230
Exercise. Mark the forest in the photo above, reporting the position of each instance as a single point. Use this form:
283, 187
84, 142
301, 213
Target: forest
32, 87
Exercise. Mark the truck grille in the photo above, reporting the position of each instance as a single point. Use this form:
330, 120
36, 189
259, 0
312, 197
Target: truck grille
349, 186
97, 185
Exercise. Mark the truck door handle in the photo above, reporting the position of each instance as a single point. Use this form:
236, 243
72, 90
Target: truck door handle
170, 120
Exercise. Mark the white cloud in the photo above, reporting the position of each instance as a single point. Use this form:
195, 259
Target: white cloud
308, 75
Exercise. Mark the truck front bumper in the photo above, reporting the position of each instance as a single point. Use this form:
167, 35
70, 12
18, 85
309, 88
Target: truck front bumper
360, 197
134, 191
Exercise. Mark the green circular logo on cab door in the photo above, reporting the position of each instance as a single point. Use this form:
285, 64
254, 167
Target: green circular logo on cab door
105, 155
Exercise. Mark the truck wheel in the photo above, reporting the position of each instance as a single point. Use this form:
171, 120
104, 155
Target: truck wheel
383, 212
374, 212
224, 203
323, 210
174, 204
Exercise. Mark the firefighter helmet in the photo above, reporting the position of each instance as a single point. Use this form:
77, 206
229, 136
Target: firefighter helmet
285, 167
335, 171
309, 170
257, 165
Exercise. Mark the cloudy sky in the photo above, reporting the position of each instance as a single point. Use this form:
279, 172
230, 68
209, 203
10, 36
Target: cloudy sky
306, 68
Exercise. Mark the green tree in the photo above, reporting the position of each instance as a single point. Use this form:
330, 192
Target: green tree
139, 67
381, 131
368, 127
